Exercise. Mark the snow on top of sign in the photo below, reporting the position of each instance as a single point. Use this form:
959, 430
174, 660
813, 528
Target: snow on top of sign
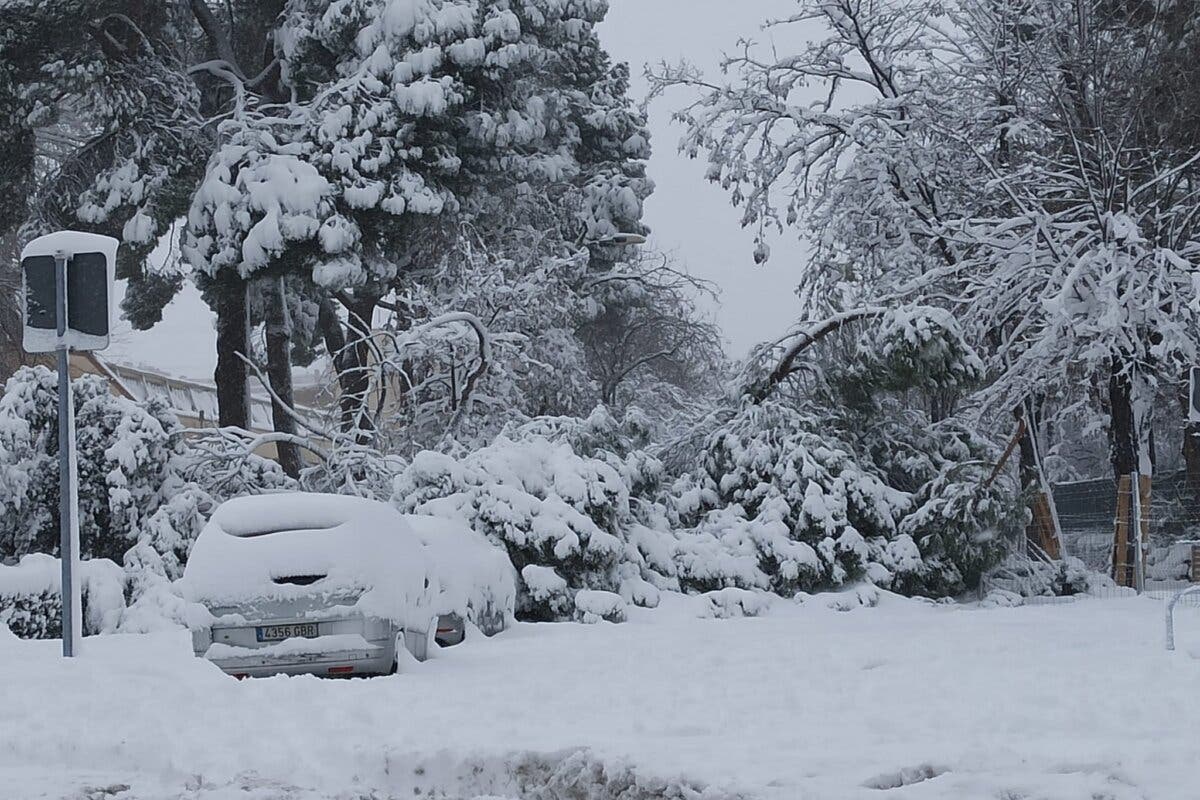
71, 242
45, 340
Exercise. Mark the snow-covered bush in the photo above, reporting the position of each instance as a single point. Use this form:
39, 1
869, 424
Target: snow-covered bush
786, 499
732, 602
135, 599
138, 477
1075, 577
144, 492
719, 553
173, 527
622, 443
839, 478
547, 595
31, 597
124, 453
1023, 576
960, 514
564, 514
794, 506
592, 606
546, 505
32, 615
956, 527
153, 603
1172, 562
852, 598
918, 346
1001, 598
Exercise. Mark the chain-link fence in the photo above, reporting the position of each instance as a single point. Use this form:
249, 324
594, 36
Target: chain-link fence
1099, 520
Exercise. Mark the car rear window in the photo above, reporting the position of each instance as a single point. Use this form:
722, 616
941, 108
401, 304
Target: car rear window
252, 532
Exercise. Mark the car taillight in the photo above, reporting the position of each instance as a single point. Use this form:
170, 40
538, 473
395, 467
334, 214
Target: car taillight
340, 670
445, 630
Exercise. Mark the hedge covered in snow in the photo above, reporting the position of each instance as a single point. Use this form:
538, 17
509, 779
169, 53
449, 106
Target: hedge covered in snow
784, 495
564, 516
138, 480
774, 507
143, 493
31, 596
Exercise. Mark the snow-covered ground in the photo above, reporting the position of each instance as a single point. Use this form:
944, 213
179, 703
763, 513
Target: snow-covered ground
905, 700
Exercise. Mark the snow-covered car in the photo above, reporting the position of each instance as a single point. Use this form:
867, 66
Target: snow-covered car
333, 585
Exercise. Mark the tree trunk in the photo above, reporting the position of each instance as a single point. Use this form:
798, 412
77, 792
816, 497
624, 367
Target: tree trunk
1042, 529
12, 350
1131, 437
1122, 440
1131, 440
279, 372
941, 404
1030, 481
608, 393
1191, 443
233, 337
1123, 453
355, 367
334, 335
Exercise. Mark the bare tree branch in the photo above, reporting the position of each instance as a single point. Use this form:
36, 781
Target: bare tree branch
804, 340
216, 36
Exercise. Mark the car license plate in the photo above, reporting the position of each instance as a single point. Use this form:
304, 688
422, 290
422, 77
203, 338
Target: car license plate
277, 633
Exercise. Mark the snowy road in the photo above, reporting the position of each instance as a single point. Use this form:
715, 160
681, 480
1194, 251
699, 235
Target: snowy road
1072, 702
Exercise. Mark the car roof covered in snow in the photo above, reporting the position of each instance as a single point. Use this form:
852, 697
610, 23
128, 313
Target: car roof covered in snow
261, 515
251, 545
400, 567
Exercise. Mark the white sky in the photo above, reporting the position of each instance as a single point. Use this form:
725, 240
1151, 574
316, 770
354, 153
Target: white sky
691, 218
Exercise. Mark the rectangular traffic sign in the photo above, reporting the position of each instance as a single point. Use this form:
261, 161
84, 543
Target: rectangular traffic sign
67, 285
90, 270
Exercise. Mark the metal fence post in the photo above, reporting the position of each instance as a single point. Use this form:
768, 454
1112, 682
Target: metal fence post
1171, 613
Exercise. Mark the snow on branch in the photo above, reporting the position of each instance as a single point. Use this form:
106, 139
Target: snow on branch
226, 72
805, 339
275, 398
236, 439
218, 37
485, 352
388, 351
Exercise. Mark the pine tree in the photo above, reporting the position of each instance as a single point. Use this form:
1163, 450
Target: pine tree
415, 121
347, 144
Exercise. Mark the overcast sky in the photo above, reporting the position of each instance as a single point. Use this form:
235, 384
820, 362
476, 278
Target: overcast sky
691, 218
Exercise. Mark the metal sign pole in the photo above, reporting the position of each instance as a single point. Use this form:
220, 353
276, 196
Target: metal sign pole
66, 284
68, 497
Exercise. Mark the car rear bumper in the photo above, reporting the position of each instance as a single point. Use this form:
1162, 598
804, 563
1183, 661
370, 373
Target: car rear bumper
345, 646
377, 661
